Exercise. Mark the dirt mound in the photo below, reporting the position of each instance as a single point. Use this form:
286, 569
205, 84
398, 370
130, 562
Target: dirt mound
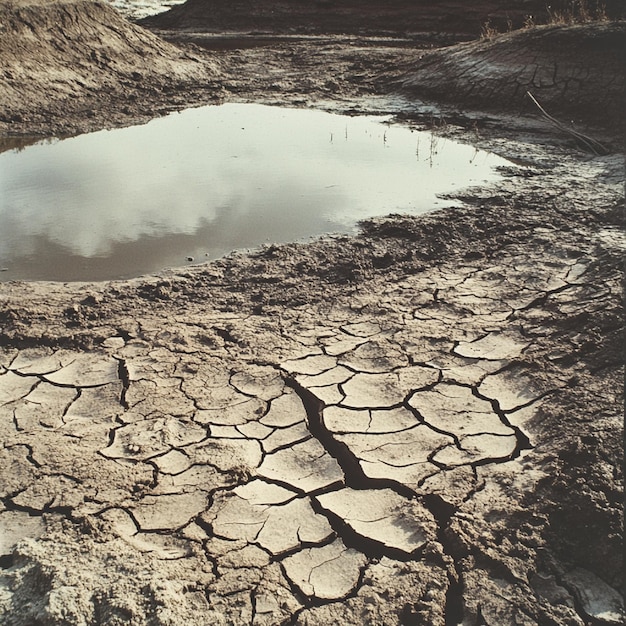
59, 56
344, 16
575, 71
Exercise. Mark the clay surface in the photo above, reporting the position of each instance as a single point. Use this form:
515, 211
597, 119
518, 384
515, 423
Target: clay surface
420, 424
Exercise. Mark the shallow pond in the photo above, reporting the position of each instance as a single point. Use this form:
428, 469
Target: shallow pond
201, 183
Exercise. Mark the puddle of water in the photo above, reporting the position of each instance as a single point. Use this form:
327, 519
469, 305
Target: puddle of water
207, 181
245, 41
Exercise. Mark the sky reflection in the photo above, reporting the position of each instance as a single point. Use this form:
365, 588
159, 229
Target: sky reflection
210, 180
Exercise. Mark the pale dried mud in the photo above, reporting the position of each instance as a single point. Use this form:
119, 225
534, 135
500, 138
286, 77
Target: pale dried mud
417, 425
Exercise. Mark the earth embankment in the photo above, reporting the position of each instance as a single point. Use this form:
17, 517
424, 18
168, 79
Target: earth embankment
62, 59
361, 16
575, 71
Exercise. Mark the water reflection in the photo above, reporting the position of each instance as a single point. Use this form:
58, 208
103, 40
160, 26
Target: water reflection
207, 181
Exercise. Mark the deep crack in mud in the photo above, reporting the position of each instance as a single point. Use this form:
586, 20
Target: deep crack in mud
441, 510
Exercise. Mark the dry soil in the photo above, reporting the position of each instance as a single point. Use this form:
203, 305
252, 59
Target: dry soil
418, 425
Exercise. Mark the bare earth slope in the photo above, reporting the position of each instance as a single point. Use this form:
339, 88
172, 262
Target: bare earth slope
574, 71
68, 58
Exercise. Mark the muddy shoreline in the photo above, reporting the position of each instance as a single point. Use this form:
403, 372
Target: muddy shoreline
197, 446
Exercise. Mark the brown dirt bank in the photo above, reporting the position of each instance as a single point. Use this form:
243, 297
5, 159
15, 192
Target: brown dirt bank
64, 62
575, 71
360, 16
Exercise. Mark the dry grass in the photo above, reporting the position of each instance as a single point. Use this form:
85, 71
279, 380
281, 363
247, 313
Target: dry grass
578, 12
574, 12
487, 31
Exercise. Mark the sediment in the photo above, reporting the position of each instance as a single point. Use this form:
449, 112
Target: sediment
420, 424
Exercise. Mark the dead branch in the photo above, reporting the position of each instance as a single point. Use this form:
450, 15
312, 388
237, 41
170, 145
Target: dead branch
588, 142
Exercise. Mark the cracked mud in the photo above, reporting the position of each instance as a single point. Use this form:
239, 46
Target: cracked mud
308, 462
417, 425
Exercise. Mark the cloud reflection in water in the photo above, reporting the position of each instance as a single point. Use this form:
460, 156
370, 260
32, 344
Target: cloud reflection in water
210, 180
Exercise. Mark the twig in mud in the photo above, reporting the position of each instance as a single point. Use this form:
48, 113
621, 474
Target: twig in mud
439, 122
591, 144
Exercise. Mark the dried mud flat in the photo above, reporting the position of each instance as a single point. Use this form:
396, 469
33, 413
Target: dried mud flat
418, 425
